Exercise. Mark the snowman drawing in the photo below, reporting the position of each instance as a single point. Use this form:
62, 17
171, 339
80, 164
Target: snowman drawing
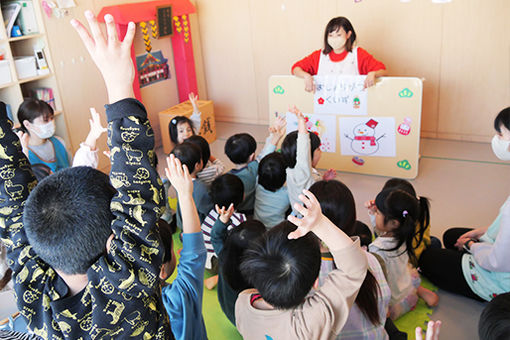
364, 141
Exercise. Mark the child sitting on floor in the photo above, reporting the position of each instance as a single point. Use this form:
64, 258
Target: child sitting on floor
181, 127
396, 216
271, 196
190, 155
226, 190
213, 167
240, 149
283, 266
183, 297
230, 247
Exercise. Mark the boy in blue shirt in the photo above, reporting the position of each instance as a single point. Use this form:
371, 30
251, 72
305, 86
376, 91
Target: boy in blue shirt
183, 297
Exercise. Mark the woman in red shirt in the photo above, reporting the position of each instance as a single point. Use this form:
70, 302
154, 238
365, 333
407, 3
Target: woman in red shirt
339, 56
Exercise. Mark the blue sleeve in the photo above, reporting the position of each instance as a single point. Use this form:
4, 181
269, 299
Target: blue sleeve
218, 235
183, 298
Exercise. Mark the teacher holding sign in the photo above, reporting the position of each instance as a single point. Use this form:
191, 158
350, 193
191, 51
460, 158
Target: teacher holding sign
339, 56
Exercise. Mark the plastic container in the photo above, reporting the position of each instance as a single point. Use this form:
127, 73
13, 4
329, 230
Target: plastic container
5, 72
25, 67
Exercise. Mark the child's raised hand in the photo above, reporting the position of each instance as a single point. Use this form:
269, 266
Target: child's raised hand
433, 328
96, 129
311, 212
193, 98
23, 138
224, 213
179, 176
278, 129
370, 205
329, 175
112, 57
300, 117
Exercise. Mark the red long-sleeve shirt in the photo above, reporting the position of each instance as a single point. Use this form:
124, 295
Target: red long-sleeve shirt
366, 62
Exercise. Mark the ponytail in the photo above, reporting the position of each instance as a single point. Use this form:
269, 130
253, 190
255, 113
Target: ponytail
424, 220
368, 297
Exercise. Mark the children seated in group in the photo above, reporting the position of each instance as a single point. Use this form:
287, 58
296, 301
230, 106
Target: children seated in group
396, 217
183, 297
271, 196
240, 149
226, 191
230, 246
283, 265
367, 316
190, 155
212, 167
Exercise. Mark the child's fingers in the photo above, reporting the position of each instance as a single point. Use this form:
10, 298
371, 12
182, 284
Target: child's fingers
299, 232
301, 209
417, 333
217, 209
111, 30
97, 35
311, 197
437, 329
84, 35
128, 38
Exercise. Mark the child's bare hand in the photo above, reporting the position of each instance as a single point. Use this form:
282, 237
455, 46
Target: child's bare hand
433, 328
224, 213
193, 99
370, 205
112, 57
23, 138
96, 129
179, 176
311, 212
300, 117
329, 175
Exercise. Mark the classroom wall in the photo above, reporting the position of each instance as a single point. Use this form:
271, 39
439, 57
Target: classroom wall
461, 49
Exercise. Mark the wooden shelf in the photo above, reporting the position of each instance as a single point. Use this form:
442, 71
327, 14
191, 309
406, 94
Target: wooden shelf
27, 80
7, 85
25, 37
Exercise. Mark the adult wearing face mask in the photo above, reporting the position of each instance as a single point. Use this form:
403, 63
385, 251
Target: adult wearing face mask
339, 56
476, 262
36, 118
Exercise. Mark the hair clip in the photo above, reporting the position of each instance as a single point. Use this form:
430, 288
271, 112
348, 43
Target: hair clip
404, 213
173, 121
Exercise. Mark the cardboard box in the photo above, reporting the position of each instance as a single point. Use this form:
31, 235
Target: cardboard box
5, 72
25, 67
207, 126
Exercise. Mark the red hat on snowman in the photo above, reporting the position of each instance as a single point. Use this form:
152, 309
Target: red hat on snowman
371, 124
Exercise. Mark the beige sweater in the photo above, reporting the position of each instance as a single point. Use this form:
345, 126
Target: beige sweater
321, 315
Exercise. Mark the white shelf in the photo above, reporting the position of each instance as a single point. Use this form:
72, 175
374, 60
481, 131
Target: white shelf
27, 80
26, 37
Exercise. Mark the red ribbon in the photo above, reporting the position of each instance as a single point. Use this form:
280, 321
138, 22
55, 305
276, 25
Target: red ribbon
370, 138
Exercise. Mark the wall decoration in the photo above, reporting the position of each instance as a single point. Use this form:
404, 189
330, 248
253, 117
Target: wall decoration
405, 93
404, 164
278, 90
405, 127
164, 20
358, 160
152, 68
322, 125
369, 137
337, 94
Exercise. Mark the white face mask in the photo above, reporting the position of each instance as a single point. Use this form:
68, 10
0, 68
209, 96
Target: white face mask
44, 130
336, 42
500, 148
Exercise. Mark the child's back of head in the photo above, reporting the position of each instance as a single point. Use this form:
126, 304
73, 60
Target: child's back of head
289, 147
494, 321
202, 143
238, 240
67, 218
227, 189
189, 154
271, 172
282, 270
240, 147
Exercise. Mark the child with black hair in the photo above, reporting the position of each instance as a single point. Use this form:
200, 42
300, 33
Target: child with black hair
240, 149
367, 316
86, 256
271, 195
183, 297
230, 246
226, 191
421, 239
181, 127
190, 155
494, 323
396, 217
212, 167
283, 266
301, 151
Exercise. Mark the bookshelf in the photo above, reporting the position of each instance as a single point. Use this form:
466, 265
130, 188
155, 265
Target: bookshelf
18, 88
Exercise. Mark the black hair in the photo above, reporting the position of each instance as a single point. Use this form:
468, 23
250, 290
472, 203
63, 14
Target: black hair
67, 218
31, 109
239, 147
165, 231
272, 171
227, 189
502, 119
282, 270
238, 240
337, 204
201, 142
289, 147
402, 207
189, 154
424, 216
41, 171
494, 321
334, 25
363, 232
174, 124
